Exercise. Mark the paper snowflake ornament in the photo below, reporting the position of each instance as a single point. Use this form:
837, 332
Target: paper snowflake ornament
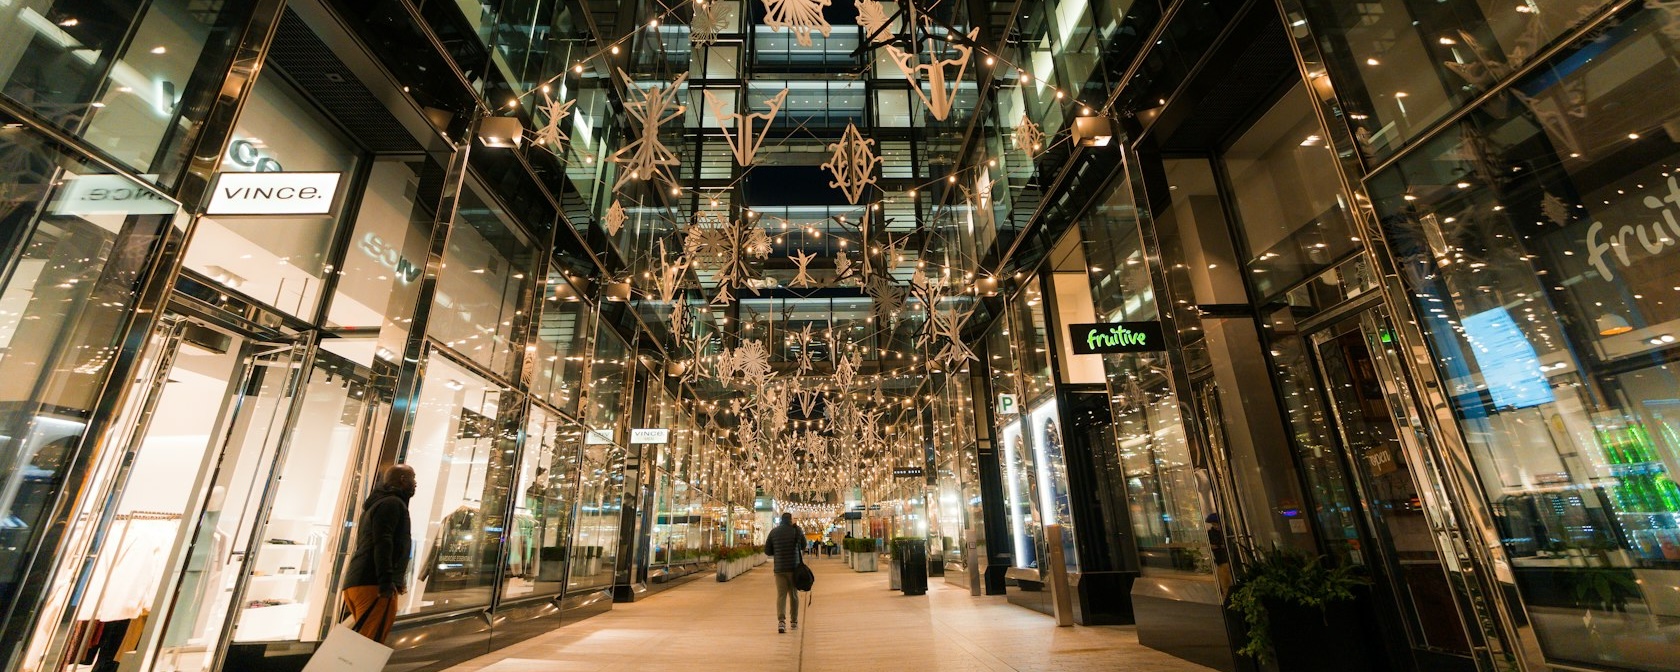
803, 277
1555, 209
844, 269
800, 17
942, 84
550, 136
733, 247
805, 363
647, 156
747, 139
671, 273
709, 20
872, 16
853, 163
616, 217
1029, 137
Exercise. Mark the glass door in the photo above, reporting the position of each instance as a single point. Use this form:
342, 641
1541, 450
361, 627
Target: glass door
1391, 475
165, 519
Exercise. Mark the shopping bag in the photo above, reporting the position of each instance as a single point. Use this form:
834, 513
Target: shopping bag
346, 650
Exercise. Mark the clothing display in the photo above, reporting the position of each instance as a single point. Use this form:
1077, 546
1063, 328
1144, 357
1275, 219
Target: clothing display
451, 563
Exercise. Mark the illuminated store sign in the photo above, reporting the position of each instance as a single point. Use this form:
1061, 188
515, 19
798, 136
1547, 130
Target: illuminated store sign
274, 194
1652, 238
1111, 337
1007, 405
108, 195
650, 436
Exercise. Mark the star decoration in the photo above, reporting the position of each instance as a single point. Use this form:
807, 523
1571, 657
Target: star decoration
853, 163
805, 363
844, 269
746, 141
550, 135
1029, 137
709, 20
803, 277
647, 157
943, 86
615, 219
734, 247
671, 273
800, 17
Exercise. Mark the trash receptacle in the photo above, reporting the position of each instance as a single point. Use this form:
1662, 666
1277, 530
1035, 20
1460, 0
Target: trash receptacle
910, 555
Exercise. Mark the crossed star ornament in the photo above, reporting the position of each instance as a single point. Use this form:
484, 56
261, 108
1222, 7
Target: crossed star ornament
550, 136
799, 17
853, 164
803, 277
746, 141
710, 18
647, 157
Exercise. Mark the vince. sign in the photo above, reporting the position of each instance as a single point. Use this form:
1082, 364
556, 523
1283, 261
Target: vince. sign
1111, 337
274, 194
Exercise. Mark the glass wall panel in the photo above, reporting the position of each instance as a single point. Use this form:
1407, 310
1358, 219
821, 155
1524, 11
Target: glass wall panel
608, 380
280, 260
78, 244
1400, 65
544, 492
120, 75
1538, 240
461, 447
595, 546
562, 345
379, 277
484, 284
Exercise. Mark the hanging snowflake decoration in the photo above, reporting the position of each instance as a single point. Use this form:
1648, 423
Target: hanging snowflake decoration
709, 20
853, 163
803, 277
550, 136
844, 270
733, 247
871, 16
616, 217
750, 361
800, 17
647, 157
746, 140
1029, 137
671, 273
942, 84
681, 320
888, 295
1555, 209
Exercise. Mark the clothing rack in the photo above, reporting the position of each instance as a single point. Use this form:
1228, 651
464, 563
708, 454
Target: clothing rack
147, 515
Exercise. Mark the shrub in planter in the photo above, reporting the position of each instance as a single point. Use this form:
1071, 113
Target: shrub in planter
1294, 594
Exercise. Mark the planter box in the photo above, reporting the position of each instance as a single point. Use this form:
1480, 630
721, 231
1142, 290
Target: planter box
729, 569
1304, 638
863, 562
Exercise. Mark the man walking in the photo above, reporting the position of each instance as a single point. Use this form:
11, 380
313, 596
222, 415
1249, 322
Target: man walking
379, 565
785, 543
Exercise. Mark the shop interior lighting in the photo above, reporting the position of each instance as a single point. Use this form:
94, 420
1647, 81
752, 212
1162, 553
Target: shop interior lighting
1611, 324
503, 132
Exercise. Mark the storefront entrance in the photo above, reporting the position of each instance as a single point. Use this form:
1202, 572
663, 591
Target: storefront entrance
203, 526
1404, 527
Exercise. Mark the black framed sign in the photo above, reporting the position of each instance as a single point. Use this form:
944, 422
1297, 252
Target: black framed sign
1111, 337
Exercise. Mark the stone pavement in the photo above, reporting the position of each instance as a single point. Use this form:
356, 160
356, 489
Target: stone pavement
854, 624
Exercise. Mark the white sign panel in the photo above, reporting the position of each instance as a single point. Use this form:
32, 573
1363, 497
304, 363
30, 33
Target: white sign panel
108, 195
599, 437
655, 436
1007, 405
274, 194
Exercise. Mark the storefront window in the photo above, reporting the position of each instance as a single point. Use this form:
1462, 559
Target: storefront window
79, 252
544, 492
1400, 65
484, 285
280, 260
608, 380
1538, 241
1284, 182
120, 76
595, 546
461, 446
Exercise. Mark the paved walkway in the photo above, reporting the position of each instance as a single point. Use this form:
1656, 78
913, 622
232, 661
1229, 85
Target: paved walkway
855, 624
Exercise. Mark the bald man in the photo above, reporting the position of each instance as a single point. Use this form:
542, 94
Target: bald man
380, 563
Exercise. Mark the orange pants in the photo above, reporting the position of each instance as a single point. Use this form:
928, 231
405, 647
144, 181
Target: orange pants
362, 600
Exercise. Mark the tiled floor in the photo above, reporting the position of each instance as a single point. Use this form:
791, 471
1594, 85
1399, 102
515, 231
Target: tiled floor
855, 623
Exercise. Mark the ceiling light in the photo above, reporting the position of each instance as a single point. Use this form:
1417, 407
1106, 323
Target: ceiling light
1448, 41
159, 50
1372, 61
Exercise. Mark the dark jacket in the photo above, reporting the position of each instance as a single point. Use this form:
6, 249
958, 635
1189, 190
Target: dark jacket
785, 543
382, 541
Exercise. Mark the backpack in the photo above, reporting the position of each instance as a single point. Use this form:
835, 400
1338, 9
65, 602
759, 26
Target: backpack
803, 579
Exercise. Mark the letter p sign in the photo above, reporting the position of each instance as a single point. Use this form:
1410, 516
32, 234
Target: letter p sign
1007, 405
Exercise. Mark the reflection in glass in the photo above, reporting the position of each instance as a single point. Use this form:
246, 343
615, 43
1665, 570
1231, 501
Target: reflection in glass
542, 509
483, 285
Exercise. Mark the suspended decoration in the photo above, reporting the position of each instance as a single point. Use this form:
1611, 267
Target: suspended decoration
1029, 137
1555, 209
550, 136
671, 273
750, 361
800, 17
746, 141
710, 18
871, 16
942, 85
844, 270
888, 297
853, 163
616, 217
647, 156
805, 363
681, 320
803, 277
734, 247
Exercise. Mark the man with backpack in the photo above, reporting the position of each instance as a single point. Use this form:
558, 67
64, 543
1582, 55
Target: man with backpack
785, 543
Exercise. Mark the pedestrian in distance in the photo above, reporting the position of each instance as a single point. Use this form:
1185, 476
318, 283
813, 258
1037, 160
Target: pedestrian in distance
379, 565
785, 543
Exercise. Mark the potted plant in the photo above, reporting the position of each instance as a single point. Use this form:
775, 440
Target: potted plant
1300, 613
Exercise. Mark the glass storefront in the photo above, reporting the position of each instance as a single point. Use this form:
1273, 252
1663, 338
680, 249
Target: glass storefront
1537, 238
